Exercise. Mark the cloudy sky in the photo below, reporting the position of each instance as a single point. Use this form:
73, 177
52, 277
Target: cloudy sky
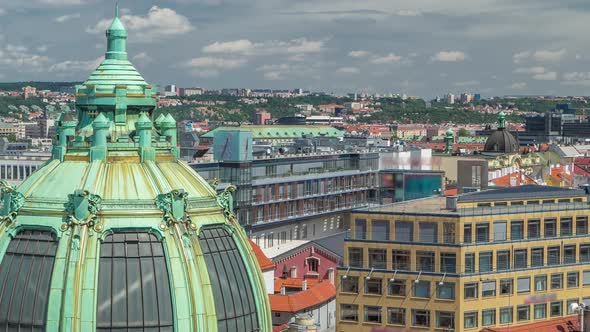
419, 47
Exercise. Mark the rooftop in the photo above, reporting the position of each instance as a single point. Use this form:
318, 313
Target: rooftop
318, 294
282, 131
520, 192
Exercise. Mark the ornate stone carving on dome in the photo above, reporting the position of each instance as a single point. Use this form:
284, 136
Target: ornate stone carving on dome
174, 205
226, 200
82, 207
12, 200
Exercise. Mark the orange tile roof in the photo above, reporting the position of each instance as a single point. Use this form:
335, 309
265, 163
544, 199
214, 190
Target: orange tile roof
553, 325
520, 179
293, 283
280, 328
296, 302
264, 262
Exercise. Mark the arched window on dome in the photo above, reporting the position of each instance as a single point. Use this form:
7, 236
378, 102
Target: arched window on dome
235, 304
25, 280
133, 284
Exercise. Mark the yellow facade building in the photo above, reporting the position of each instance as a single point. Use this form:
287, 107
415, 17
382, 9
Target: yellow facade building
490, 259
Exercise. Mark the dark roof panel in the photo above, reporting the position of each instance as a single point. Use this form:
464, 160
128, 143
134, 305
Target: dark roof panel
520, 192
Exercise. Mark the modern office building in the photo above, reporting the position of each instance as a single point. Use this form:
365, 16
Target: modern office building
479, 261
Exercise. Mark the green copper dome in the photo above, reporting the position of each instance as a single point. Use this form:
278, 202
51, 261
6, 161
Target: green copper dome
116, 234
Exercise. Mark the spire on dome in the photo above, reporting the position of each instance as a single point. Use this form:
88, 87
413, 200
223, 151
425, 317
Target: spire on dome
116, 38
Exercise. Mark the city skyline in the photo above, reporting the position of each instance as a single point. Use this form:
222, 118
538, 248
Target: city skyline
421, 48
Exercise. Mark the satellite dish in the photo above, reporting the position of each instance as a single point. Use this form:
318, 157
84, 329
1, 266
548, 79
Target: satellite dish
574, 307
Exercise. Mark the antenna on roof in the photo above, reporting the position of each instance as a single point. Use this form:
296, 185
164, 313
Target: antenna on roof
117, 9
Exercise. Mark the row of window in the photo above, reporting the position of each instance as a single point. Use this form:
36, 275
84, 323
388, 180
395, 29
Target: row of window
133, 282
397, 316
498, 231
487, 261
395, 287
531, 202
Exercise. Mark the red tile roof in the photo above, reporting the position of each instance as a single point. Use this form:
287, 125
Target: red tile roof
293, 283
280, 328
519, 180
264, 262
297, 302
553, 325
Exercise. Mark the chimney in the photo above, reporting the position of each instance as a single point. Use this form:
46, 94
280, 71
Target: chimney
283, 290
293, 271
452, 203
331, 275
304, 285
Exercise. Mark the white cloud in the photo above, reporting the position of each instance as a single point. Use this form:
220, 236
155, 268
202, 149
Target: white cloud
518, 86
348, 70
236, 46
296, 46
530, 70
158, 23
548, 76
215, 63
142, 58
407, 12
359, 54
63, 2
205, 73
75, 65
2, 11
521, 56
68, 17
449, 56
549, 56
19, 56
389, 58
274, 76
471, 83
576, 79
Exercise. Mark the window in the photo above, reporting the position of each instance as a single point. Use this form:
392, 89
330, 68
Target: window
550, 230
350, 284
404, 231
569, 306
445, 320
506, 286
355, 257
581, 225
569, 254
500, 231
516, 230
421, 318
557, 281
401, 259
565, 224
537, 257
534, 231
421, 289
553, 256
467, 237
380, 230
449, 232
133, 264
540, 283
556, 308
523, 312
540, 310
584, 253
448, 262
470, 291
470, 320
505, 315
488, 288
377, 259
30, 253
425, 261
586, 278
482, 232
503, 260
226, 267
396, 288
349, 312
469, 263
523, 285
396, 316
374, 286
488, 317
446, 291
372, 314
428, 232
360, 229
573, 279
485, 261
312, 264
520, 258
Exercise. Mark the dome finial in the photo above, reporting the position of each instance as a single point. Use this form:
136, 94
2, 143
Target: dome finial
117, 9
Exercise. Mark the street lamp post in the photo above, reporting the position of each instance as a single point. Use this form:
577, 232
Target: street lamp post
579, 308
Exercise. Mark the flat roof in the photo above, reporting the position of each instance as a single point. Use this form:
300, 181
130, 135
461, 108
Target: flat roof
520, 193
